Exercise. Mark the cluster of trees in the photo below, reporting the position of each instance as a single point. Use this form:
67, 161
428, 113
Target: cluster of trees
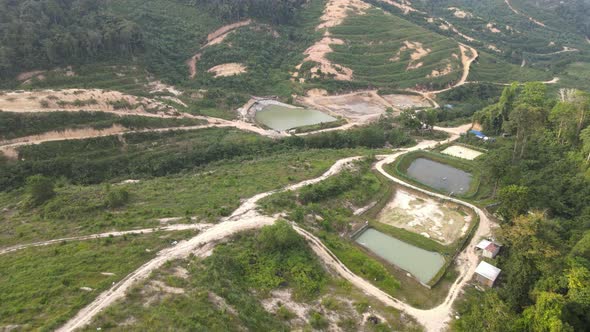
275, 11
38, 34
543, 166
158, 154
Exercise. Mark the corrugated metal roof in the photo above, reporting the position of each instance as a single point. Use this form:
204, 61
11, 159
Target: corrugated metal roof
483, 244
488, 271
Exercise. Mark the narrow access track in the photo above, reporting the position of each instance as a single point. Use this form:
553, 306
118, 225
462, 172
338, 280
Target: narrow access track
169, 228
246, 217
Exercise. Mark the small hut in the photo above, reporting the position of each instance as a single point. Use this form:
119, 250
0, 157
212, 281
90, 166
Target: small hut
486, 274
488, 248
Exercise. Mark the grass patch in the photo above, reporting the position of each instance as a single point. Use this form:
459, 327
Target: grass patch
207, 193
40, 287
14, 125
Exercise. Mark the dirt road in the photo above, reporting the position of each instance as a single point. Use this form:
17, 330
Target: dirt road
539, 23
169, 228
246, 217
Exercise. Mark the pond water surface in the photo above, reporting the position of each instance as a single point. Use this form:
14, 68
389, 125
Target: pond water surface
283, 118
422, 264
440, 176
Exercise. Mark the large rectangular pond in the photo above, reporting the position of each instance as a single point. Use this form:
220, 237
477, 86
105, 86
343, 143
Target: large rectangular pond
440, 176
422, 264
283, 118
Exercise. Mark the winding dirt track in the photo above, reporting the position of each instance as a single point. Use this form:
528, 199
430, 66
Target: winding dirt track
539, 23
169, 228
244, 218
247, 217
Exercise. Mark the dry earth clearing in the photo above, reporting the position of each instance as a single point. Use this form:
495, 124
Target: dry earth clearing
441, 221
228, 69
83, 99
334, 14
359, 107
213, 38
462, 152
407, 101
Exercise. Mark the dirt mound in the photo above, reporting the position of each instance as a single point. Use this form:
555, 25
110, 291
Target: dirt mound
228, 69
82, 99
404, 5
337, 10
318, 52
220, 34
492, 28
407, 101
359, 107
460, 13
29, 74
442, 72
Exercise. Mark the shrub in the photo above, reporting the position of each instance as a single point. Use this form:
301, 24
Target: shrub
40, 189
117, 198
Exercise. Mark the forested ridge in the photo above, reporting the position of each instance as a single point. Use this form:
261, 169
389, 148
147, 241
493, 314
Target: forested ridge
39, 34
542, 176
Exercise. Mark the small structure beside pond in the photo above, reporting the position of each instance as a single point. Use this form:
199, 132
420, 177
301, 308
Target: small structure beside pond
488, 248
486, 274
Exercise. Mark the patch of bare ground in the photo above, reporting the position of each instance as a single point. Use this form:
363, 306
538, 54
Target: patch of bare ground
539, 23
334, 14
82, 99
492, 28
317, 53
215, 37
459, 13
24, 76
441, 72
359, 107
337, 10
220, 34
441, 221
404, 5
220, 303
407, 101
418, 52
228, 69
494, 48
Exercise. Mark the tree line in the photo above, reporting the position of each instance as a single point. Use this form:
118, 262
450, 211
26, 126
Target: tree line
542, 171
38, 34
275, 11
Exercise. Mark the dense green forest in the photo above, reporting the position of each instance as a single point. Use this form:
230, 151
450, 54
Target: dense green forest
39, 34
542, 175
275, 11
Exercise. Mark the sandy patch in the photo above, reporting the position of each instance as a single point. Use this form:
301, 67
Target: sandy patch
159, 86
441, 222
317, 93
492, 28
221, 304
442, 72
462, 152
228, 69
317, 53
407, 101
192, 65
418, 52
360, 107
94, 100
460, 13
29, 75
494, 48
220, 34
404, 5
337, 10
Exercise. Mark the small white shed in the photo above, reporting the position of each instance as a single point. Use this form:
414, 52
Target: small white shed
486, 274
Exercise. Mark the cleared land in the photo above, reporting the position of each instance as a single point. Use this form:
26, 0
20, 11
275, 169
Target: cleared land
462, 152
440, 221
359, 107
389, 51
